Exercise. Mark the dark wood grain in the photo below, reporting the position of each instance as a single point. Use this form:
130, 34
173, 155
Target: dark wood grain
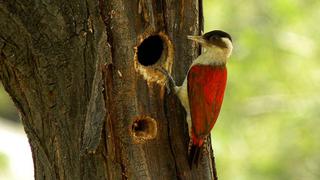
72, 71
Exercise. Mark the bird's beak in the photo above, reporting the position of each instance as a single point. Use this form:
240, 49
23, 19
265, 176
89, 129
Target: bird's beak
198, 39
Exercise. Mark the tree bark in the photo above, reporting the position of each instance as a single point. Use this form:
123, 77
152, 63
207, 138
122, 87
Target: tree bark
91, 101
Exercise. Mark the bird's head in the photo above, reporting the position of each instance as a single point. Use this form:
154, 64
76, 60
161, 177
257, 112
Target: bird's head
216, 41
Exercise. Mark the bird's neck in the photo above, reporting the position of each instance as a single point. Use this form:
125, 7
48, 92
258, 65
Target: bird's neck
212, 56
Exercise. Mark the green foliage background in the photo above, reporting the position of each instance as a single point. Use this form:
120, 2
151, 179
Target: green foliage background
269, 124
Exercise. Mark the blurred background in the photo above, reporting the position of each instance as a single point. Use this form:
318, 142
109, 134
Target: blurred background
15, 154
268, 126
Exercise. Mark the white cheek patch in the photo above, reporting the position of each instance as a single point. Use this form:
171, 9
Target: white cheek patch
229, 45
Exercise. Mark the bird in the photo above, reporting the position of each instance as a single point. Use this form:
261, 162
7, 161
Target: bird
202, 91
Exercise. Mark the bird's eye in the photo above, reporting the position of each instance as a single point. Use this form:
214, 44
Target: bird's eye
213, 38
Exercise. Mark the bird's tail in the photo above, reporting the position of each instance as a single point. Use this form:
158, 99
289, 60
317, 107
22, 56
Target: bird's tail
195, 151
194, 155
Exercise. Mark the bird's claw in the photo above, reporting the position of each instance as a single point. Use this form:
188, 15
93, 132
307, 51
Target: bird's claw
168, 87
205, 145
170, 83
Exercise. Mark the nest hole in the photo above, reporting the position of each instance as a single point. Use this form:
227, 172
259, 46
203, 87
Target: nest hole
150, 50
144, 128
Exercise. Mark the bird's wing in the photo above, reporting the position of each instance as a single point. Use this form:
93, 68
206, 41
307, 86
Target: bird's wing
206, 85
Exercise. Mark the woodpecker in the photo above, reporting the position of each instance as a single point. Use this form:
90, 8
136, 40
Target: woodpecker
202, 91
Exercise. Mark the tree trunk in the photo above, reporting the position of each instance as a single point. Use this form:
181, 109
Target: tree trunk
82, 74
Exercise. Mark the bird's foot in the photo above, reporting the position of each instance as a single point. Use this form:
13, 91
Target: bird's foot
189, 146
170, 83
205, 145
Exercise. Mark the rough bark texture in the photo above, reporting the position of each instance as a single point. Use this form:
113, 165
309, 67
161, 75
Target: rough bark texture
89, 108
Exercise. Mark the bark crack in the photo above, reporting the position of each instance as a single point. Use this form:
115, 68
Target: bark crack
107, 21
213, 164
164, 11
170, 144
85, 51
201, 19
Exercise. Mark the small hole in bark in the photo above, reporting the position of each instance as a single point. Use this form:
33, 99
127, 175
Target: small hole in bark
144, 128
150, 50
